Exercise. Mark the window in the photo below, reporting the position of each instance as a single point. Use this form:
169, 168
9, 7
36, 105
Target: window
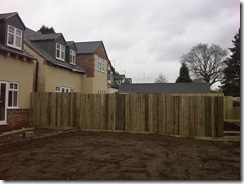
72, 57
100, 64
63, 89
14, 38
101, 92
60, 52
13, 95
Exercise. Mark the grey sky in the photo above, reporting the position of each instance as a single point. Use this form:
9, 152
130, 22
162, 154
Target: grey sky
140, 36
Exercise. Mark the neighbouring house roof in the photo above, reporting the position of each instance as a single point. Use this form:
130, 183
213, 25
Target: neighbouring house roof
87, 47
49, 58
128, 80
119, 77
165, 88
30, 32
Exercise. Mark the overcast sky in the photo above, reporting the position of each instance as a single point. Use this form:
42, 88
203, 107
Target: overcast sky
142, 37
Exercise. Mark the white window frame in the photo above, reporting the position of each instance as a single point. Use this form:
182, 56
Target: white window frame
61, 89
100, 66
61, 49
13, 87
15, 36
101, 92
72, 57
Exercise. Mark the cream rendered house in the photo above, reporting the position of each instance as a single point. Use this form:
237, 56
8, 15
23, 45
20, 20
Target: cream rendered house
17, 74
56, 67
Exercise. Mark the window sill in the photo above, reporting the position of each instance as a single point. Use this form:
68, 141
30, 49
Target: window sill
60, 59
101, 71
3, 123
13, 46
12, 107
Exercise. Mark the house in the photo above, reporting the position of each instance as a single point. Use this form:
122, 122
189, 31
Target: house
56, 62
165, 88
111, 82
17, 67
92, 56
120, 79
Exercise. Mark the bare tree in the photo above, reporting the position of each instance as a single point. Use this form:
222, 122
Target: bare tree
206, 63
161, 79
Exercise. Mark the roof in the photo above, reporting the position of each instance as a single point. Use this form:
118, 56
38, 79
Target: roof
29, 32
5, 16
53, 61
69, 43
19, 52
42, 37
119, 77
87, 47
165, 88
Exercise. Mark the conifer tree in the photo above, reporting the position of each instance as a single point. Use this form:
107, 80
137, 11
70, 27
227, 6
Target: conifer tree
184, 74
232, 75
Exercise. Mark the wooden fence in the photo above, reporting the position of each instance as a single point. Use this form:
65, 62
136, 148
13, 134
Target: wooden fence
185, 115
230, 112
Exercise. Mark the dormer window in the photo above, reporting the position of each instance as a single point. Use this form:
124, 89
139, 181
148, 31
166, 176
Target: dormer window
60, 52
72, 56
14, 38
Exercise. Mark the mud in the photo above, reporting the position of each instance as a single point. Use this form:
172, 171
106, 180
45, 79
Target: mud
82, 155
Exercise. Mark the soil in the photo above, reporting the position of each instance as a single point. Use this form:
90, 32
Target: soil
79, 155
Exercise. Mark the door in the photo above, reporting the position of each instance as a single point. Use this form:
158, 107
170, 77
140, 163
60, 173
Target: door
3, 102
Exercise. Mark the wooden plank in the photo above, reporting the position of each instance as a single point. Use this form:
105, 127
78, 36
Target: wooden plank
146, 107
77, 116
236, 113
72, 110
53, 104
83, 110
59, 108
209, 116
48, 108
120, 100
112, 112
33, 109
150, 112
228, 106
219, 116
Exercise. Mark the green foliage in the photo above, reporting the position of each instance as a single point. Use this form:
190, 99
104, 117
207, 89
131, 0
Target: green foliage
184, 74
45, 30
231, 82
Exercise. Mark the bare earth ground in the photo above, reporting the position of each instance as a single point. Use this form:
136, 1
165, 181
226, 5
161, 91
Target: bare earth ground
80, 155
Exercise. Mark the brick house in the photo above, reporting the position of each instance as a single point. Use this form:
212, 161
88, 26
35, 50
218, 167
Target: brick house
92, 56
17, 77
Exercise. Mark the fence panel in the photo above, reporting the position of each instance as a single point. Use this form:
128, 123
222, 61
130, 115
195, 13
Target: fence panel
186, 115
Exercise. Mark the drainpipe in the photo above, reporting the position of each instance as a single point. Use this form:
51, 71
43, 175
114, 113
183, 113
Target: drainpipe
36, 77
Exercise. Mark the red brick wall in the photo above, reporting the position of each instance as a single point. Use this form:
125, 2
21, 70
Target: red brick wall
16, 119
101, 52
86, 61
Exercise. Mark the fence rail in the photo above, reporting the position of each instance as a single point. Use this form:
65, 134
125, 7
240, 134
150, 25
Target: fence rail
186, 115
